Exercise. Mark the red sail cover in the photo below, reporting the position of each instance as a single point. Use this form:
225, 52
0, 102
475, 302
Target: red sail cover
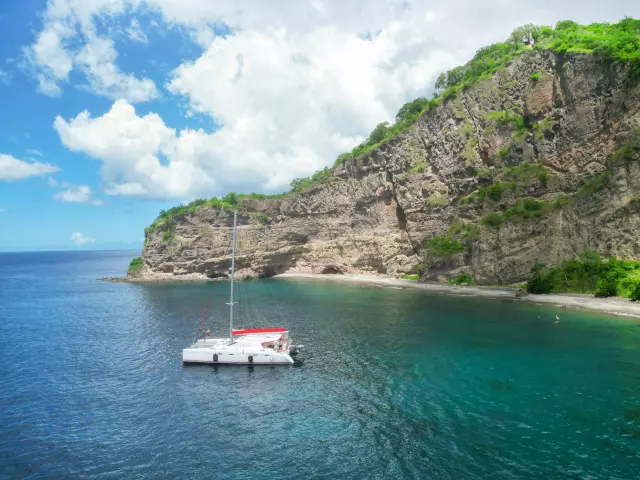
246, 331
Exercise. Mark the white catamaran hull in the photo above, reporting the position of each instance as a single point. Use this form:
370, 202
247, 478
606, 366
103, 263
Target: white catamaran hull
258, 347
202, 355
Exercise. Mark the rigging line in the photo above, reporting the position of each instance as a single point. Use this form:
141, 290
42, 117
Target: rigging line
246, 296
205, 311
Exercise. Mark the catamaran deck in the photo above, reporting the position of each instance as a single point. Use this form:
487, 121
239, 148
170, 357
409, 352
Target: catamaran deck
253, 348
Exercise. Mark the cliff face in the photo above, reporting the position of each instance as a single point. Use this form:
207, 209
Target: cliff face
569, 122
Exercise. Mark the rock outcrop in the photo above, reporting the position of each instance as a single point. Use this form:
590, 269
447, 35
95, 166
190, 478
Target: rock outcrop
572, 121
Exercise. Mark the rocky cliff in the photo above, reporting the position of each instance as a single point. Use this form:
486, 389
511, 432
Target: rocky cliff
535, 164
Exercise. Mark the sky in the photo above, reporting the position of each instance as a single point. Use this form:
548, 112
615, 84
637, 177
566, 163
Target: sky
112, 110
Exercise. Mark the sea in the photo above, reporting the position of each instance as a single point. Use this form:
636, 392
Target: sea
391, 384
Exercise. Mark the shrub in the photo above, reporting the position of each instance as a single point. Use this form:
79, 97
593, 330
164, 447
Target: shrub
594, 184
492, 219
167, 218
606, 287
526, 208
543, 126
635, 291
230, 198
135, 265
410, 277
444, 246
535, 76
460, 279
629, 286
560, 202
504, 117
495, 191
260, 196
261, 217
168, 236
342, 158
540, 282
523, 172
320, 176
519, 211
627, 152
588, 273
543, 177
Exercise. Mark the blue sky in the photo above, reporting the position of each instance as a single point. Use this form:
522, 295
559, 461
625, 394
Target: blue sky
113, 110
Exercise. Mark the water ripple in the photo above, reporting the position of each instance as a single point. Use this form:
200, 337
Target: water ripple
393, 384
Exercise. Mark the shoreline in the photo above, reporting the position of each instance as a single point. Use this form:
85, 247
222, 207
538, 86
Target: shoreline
612, 305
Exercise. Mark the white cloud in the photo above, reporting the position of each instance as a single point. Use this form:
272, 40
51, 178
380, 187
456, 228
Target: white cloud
75, 193
69, 40
52, 182
49, 50
97, 59
294, 85
80, 239
131, 149
5, 77
33, 151
136, 33
12, 169
48, 87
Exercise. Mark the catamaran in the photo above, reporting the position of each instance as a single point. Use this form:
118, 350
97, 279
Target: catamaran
258, 346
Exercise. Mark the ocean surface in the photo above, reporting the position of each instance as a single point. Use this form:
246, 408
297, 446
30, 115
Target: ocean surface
392, 384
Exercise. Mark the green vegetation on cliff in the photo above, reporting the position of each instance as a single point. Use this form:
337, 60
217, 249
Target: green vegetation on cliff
525, 208
414, 276
444, 246
135, 265
508, 178
463, 280
618, 43
588, 274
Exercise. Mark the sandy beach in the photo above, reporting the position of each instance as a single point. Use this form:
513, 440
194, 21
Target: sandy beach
617, 306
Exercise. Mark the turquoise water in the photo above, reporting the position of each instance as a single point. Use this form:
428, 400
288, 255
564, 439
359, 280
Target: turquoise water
392, 384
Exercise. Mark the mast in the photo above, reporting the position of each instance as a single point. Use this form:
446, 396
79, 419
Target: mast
233, 266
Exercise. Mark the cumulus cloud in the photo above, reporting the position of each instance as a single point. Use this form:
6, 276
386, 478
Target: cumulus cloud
80, 239
97, 60
77, 194
131, 148
293, 85
12, 169
69, 40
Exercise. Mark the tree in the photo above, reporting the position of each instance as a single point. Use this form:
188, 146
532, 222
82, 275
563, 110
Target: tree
378, 133
451, 77
411, 110
231, 198
525, 34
